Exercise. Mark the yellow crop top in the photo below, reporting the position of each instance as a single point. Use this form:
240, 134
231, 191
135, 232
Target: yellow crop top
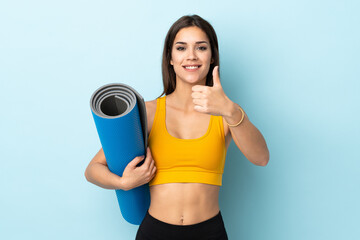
199, 160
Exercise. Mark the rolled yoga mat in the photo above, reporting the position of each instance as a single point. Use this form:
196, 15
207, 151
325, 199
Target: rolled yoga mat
120, 117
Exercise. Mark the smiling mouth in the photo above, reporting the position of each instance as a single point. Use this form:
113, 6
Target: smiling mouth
190, 67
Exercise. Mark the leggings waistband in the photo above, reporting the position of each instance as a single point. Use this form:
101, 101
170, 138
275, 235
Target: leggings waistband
213, 220
155, 229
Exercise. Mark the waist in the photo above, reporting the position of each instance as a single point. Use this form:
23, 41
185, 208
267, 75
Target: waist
184, 203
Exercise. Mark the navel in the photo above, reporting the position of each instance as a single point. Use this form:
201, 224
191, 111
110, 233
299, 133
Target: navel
182, 219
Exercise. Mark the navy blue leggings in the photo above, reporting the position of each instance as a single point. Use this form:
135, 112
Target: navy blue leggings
154, 229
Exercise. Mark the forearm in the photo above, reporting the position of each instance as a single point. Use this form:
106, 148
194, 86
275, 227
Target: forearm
101, 176
246, 136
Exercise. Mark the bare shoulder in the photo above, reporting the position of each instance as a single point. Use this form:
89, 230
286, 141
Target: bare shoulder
150, 113
151, 107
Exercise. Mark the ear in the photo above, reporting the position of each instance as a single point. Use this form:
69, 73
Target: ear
212, 61
171, 62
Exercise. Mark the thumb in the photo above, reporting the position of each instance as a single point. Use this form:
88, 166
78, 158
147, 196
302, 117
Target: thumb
216, 78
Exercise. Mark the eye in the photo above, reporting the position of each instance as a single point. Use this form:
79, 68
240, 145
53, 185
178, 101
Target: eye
180, 48
202, 48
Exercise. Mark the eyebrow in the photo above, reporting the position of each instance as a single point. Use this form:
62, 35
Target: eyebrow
196, 42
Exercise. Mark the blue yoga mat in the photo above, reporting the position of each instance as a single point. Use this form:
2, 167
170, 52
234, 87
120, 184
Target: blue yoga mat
120, 117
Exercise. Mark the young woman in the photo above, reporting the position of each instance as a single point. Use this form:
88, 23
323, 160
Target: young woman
190, 129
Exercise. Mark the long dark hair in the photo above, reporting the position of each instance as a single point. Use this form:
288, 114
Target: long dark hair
168, 73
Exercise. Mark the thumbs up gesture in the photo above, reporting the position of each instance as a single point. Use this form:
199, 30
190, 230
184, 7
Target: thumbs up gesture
211, 100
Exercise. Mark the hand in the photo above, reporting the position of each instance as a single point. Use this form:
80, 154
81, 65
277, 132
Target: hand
210, 100
134, 176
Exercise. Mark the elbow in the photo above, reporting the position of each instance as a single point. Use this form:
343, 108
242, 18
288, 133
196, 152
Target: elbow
86, 174
86, 177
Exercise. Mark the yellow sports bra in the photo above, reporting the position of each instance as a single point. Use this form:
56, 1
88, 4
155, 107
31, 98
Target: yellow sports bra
199, 160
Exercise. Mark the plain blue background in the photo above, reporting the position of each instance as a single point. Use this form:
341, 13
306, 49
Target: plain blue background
293, 66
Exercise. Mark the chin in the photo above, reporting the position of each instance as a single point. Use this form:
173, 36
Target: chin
193, 80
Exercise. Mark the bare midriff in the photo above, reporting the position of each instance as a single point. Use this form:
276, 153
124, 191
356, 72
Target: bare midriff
184, 203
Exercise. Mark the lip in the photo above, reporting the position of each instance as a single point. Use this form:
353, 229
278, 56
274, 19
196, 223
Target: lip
192, 70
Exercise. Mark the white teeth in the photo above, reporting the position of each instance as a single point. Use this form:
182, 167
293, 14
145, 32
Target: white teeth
191, 67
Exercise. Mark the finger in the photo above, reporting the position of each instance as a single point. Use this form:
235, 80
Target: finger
197, 95
152, 164
153, 171
200, 108
148, 157
199, 101
135, 161
198, 88
216, 78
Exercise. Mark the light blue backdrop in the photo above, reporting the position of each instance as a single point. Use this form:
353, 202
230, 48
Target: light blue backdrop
294, 67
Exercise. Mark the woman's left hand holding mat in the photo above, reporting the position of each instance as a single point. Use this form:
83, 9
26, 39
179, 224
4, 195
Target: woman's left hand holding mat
134, 176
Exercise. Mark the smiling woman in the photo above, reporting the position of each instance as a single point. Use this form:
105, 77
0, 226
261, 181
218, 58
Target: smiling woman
189, 129
188, 147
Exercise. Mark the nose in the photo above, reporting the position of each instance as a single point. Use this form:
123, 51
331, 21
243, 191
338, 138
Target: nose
191, 54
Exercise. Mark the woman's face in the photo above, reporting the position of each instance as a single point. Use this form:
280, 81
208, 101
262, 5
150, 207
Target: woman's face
191, 55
